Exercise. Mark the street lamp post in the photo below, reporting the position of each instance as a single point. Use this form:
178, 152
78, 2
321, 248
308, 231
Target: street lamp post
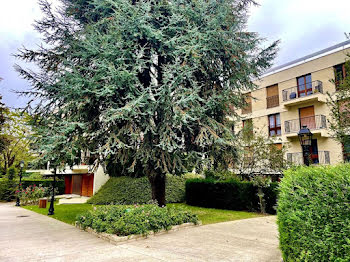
52, 209
21, 164
305, 138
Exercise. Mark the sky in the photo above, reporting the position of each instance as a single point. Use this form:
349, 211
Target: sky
302, 26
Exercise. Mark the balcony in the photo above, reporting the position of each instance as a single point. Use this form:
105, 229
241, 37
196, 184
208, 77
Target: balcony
272, 101
317, 122
316, 158
304, 93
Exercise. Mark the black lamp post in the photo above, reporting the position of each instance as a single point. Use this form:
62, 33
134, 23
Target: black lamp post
52, 209
305, 138
21, 164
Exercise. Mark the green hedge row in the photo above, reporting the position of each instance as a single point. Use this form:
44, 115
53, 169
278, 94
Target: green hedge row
45, 183
230, 194
127, 190
8, 187
314, 214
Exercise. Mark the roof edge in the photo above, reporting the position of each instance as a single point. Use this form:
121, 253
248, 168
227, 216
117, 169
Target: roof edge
307, 58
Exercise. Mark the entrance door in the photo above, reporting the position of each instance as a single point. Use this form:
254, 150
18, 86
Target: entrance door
307, 117
87, 185
68, 184
76, 188
314, 151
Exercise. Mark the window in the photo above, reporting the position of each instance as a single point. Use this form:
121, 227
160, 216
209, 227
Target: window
304, 85
248, 107
272, 99
274, 125
346, 148
339, 73
248, 127
278, 146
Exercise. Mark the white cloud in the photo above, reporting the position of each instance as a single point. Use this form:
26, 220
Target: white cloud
17, 17
303, 26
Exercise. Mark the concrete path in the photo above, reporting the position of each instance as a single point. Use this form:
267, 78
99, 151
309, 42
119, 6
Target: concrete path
28, 236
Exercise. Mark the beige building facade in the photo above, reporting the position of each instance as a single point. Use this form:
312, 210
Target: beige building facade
295, 95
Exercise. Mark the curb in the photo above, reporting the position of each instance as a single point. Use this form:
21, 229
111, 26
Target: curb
115, 239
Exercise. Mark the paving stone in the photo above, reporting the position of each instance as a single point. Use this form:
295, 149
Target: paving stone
28, 236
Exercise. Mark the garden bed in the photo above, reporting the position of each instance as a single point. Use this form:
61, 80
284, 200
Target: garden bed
115, 239
134, 220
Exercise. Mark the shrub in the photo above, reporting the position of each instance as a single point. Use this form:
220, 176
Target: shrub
231, 194
128, 220
219, 175
7, 190
11, 173
45, 183
314, 214
191, 176
32, 194
127, 191
8, 187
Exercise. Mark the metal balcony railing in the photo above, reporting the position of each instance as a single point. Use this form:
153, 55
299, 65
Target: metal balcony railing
319, 157
307, 89
272, 101
312, 122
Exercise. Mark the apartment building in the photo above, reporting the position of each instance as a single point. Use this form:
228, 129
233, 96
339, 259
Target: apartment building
294, 95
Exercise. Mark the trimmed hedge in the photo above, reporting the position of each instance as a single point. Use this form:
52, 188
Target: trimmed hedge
8, 187
45, 183
128, 190
230, 194
314, 214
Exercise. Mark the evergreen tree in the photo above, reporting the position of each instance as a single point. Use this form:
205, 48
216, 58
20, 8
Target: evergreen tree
148, 83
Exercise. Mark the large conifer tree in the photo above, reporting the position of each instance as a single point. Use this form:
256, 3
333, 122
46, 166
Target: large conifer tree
146, 84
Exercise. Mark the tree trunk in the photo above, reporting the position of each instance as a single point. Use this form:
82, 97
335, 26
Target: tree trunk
157, 181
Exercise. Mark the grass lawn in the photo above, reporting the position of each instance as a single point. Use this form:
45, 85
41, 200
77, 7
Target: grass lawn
212, 215
67, 213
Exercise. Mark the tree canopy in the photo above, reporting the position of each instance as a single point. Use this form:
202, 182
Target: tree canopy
17, 133
143, 83
339, 104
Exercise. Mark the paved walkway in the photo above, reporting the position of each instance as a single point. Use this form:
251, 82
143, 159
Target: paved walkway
28, 236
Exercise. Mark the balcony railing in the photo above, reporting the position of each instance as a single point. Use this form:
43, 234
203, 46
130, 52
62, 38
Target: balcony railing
302, 90
247, 109
312, 122
319, 157
272, 101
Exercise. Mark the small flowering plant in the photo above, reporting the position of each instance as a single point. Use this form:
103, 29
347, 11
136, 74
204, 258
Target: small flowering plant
32, 194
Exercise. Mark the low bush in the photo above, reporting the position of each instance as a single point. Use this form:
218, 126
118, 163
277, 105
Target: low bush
314, 214
127, 191
129, 220
8, 187
219, 175
231, 194
45, 183
32, 194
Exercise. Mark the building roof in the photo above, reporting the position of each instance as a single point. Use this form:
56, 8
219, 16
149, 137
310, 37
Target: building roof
318, 54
